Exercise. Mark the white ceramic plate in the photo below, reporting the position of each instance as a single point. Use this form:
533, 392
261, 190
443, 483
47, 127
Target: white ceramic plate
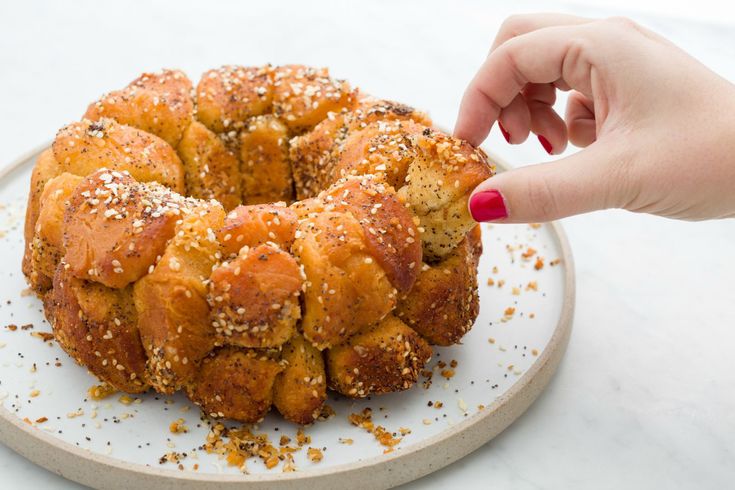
502, 365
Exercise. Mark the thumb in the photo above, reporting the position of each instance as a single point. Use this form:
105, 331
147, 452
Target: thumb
589, 180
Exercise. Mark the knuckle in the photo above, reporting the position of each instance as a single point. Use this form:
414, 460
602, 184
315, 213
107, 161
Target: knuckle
622, 23
577, 49
514, 25
510, 60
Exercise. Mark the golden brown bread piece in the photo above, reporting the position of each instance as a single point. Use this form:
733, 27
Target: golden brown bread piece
83, 147
48, 240
255, 297
115, 227
438, 186
443, 304
230, 95
266, 168
256, 225
303, 96
313, 154
300, 389
346, 289
384, 358
384, 149
235, 383
172, 300
212, 171
391, 236
44, 170
158, 103
98, 327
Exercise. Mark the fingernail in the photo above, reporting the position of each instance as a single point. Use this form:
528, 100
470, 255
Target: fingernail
506, 134
545, 143
487, 206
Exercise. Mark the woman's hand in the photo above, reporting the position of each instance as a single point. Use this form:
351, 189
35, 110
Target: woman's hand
657, 127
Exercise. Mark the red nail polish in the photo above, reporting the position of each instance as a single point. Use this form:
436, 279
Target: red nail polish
506, 134
545, 143
487, 206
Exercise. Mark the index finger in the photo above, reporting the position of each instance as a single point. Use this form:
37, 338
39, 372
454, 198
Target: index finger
542, 56
517, 25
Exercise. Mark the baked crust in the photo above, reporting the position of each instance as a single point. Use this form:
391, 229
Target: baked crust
48, 239
443, 304
384, 149
300, 389
158, 103
266, 167
346, 290
86, 146
313, 154
229, 95
212, 171
115, 227
98, 327
255, 297
303, 96
44, 170
256, 225
235, 383
171, 300
391, 236
383, 358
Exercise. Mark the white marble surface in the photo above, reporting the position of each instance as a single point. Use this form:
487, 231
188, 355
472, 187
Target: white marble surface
646, 395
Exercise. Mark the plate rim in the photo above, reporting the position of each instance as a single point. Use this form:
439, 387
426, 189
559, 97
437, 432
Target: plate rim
416, 460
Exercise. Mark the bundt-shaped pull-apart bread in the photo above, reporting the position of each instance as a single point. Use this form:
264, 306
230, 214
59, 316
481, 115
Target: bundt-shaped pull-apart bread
165, 239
